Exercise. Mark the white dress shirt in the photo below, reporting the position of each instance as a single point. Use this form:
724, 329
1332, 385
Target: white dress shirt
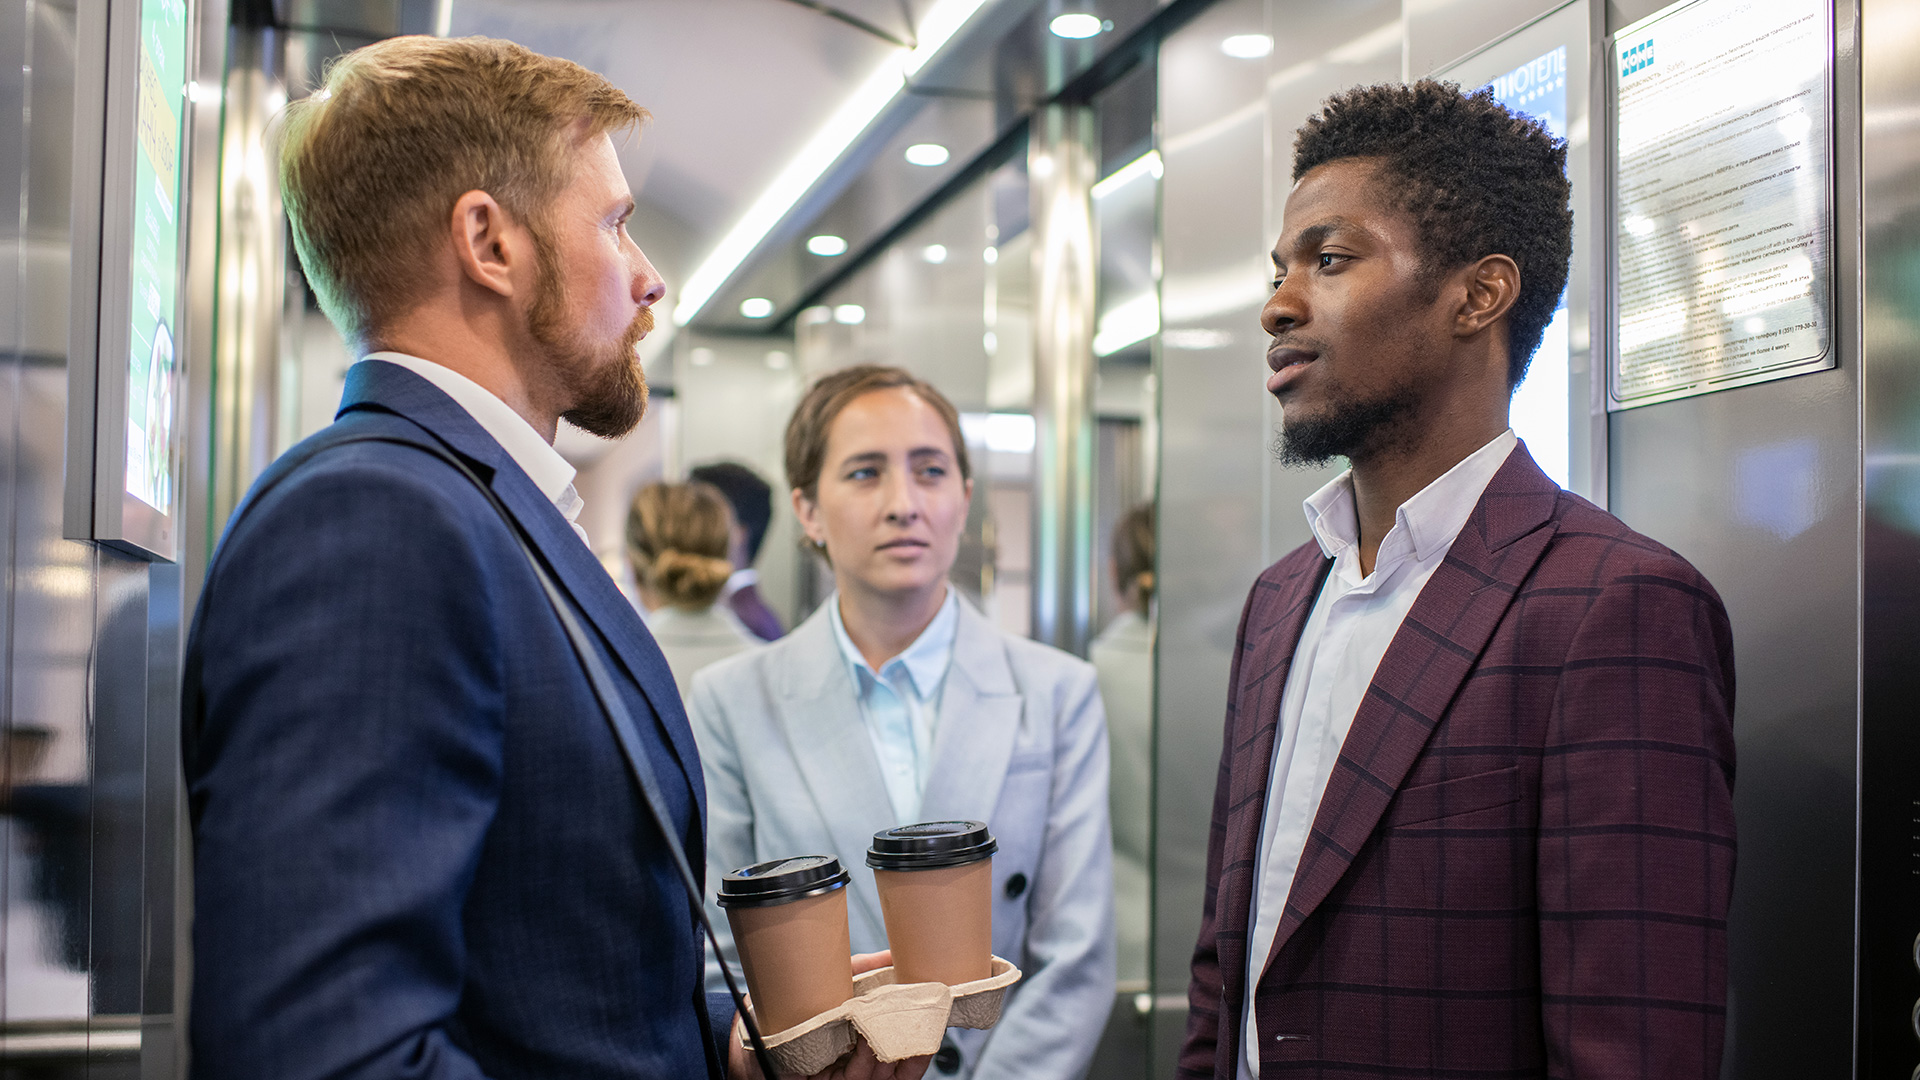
535, 456
900, 703
1353, 622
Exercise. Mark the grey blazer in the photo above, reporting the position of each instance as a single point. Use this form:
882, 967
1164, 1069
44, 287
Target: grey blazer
1021, 745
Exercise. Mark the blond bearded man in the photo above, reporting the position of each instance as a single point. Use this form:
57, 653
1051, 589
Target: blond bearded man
422, 847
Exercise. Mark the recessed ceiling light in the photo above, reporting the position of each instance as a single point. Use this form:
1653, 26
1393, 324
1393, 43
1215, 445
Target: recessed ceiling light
827, 244
756, 307
1075, 25
849, 314
926, 153
990, 256
936, 29
934, 253
1247, 46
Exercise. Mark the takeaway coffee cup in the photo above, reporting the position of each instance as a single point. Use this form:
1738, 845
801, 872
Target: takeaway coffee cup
789, 919
936, 894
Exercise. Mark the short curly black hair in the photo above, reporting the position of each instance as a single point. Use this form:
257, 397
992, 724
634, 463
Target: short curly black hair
1477, 178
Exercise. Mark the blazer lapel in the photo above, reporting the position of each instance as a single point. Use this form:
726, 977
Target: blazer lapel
1431, 655
580, 575
980, 714
1276, 617
832, 749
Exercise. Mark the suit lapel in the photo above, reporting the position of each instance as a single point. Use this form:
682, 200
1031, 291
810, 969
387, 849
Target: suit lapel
832, 749
580, 575
1430, 657
1276, 617
980, 712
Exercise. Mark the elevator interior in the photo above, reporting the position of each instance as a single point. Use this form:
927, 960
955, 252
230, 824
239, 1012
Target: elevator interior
1082, 272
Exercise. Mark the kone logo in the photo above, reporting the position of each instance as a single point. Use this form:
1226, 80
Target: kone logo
1640, 56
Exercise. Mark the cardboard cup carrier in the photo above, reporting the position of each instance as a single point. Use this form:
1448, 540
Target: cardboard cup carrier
789, 919
935, 883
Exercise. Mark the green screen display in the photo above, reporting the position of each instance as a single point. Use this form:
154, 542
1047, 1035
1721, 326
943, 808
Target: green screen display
156, 251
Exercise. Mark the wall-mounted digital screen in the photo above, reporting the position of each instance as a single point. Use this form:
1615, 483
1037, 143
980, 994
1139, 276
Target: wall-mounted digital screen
155, 270
1538, 88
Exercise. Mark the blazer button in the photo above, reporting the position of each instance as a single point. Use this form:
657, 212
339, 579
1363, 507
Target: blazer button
948, 1059
1016, 885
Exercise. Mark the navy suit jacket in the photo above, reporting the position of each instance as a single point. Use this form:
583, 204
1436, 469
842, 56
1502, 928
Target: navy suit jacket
418, 851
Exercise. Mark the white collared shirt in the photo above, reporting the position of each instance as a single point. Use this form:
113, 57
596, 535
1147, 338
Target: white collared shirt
1353, 622
535, 456
900, 703
738, 580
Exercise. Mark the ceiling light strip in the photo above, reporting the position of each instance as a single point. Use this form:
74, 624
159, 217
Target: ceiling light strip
846, 125
1147, 164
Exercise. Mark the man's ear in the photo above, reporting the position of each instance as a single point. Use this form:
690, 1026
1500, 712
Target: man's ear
1493, 284
487, 242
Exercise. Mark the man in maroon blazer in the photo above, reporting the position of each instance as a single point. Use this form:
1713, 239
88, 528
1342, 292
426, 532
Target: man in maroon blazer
1474, 811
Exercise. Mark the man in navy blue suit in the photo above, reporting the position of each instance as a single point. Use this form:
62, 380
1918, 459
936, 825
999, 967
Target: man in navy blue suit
419, 851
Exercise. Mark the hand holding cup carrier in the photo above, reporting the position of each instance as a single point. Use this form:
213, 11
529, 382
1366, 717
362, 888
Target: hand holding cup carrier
789, 919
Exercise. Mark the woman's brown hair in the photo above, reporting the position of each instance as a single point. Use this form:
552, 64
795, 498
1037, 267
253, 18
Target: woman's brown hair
677, 537
813, 418
1133, 556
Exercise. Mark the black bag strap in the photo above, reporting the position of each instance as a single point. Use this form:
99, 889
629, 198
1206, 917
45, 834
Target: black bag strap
611, 705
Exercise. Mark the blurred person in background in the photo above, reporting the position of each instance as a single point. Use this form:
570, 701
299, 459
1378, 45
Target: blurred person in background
752, 502
677, 541
897, 702
1123, 657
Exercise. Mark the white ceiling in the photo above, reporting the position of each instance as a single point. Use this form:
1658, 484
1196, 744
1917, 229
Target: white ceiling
735, 87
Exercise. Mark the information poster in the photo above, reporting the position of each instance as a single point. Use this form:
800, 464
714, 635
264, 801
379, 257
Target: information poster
155, 276
1722, 206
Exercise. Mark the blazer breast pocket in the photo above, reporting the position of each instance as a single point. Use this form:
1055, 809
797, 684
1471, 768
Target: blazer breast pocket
1429, 804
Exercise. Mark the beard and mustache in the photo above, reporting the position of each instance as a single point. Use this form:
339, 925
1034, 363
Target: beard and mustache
1351, 426
609, 388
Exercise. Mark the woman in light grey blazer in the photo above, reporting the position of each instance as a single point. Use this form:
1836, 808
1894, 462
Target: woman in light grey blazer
898, 702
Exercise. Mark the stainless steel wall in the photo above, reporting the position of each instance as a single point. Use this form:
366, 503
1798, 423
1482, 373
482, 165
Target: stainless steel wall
1760, 488
91, 845
1890, 386
1226, 509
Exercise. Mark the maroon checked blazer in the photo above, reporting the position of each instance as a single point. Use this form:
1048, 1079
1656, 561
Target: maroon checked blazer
1522, 862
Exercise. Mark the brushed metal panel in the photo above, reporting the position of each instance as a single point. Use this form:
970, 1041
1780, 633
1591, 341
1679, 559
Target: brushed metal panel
1760, 488
1213, 434
1890, 676
1442, 31
1226, 510
1062, 162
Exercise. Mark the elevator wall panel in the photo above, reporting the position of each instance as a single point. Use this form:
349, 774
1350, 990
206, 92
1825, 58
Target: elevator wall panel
1890, 720
1213, 433
1760, 488
1227, 509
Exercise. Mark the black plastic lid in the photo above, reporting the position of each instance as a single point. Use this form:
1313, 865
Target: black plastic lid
782, 881
931, 845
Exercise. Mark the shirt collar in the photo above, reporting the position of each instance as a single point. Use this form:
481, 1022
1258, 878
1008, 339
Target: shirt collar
535, 456
1425, 524
925, 661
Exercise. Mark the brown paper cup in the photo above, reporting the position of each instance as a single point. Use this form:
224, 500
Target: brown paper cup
939, 922
798, 958
789, 919
936, 895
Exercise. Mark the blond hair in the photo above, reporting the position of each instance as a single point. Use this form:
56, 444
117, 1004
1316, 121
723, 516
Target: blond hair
373, 162
677, 540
